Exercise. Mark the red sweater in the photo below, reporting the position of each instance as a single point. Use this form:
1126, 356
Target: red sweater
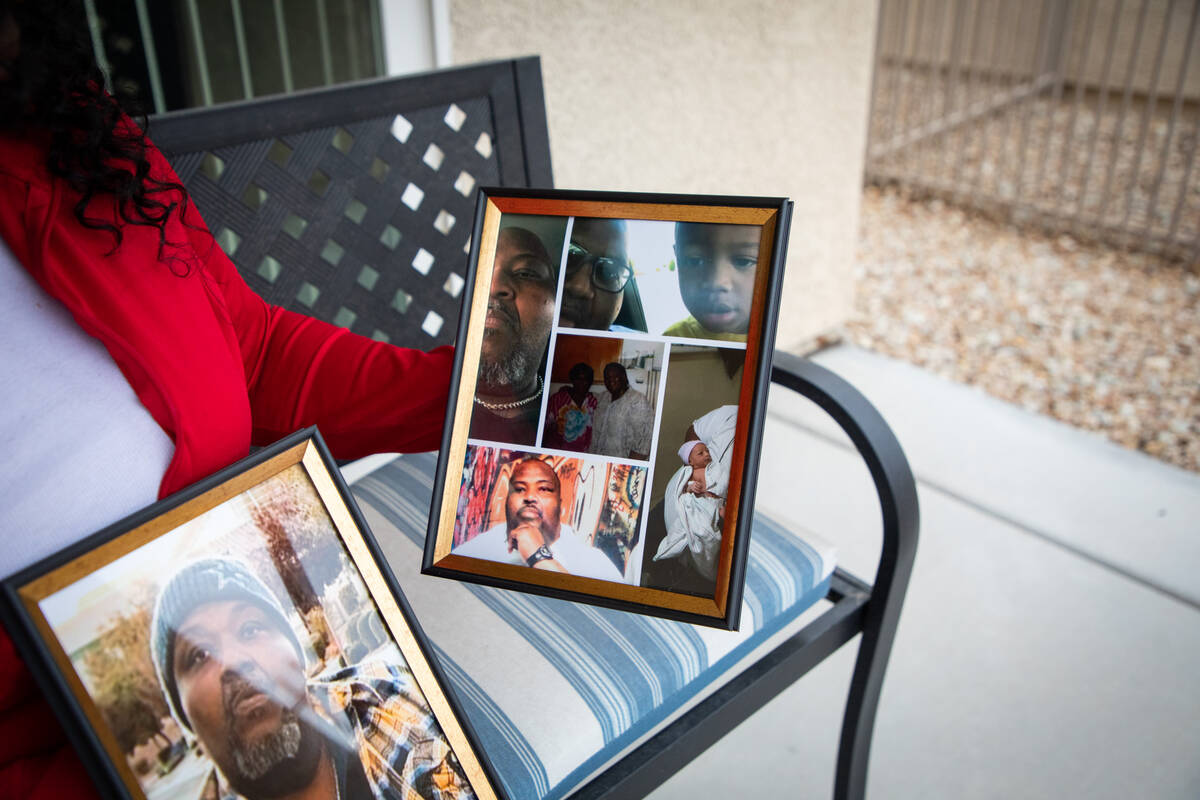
216, 367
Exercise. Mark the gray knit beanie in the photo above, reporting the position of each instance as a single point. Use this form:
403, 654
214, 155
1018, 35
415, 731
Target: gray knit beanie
206, 581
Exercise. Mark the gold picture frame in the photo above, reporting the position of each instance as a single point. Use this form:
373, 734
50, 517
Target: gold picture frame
676, 298
203, 607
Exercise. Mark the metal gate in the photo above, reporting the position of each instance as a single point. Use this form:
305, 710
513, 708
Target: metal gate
1075, 115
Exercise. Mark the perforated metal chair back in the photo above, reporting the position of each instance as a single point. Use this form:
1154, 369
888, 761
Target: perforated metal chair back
354, 203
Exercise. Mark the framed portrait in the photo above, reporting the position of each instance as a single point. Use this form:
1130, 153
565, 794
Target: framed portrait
244, 637
607, 402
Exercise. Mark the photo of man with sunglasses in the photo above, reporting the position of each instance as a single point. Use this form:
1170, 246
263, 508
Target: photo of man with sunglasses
599, 279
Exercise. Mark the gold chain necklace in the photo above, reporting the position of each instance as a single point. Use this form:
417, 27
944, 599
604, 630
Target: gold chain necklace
515, 403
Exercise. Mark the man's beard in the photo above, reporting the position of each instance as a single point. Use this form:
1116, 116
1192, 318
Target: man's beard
515, 519
512, 369
256, 759
277, 764
545, 525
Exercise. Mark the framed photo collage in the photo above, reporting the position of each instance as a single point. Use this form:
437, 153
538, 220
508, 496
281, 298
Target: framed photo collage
611, 372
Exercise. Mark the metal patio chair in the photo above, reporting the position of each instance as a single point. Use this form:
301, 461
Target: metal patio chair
352, 203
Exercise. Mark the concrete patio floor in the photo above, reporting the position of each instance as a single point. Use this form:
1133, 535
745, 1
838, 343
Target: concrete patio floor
1050, 641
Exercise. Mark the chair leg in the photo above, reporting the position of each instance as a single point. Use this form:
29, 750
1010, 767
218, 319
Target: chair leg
858, 724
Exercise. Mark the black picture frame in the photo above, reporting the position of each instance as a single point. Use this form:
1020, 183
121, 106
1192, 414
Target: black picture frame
672, 251
299, 491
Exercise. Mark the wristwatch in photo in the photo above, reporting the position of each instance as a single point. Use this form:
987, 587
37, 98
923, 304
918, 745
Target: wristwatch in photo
541, 554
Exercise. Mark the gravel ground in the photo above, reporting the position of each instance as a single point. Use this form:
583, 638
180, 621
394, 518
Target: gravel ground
1105, 340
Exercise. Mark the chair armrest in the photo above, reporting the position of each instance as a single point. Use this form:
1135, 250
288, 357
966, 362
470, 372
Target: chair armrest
897, 491
856, 606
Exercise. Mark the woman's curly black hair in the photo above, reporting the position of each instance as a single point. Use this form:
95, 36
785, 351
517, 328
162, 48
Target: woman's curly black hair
50, 82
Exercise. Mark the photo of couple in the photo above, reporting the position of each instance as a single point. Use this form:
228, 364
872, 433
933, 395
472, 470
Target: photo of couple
602, 396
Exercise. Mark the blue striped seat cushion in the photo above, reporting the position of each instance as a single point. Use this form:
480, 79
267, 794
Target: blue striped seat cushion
559, 690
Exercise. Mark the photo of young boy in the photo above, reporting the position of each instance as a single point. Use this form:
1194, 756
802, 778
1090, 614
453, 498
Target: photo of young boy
716, 265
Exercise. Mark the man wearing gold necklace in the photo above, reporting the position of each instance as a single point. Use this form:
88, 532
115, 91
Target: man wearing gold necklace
520, 313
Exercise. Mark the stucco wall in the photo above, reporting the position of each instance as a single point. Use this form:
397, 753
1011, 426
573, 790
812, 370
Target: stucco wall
751, 97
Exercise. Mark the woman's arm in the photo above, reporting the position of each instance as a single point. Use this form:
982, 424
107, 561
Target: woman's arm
365, 396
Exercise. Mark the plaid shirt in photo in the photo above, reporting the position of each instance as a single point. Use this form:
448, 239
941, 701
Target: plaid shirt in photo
402, 748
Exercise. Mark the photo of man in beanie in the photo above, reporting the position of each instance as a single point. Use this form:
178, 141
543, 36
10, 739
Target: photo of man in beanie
233, 673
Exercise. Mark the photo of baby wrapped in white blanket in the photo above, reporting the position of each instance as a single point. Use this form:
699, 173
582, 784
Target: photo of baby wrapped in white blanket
694, 504
688, 524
